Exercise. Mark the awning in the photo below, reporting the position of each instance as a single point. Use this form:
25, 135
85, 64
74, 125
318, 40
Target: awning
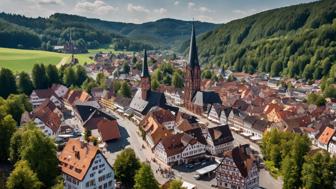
207, 169
255, 138
246, 134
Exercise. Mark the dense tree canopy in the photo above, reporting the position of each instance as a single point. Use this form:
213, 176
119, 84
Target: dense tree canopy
30, 144
144, 178
7, 83
23, 177
125, 166
25, 84
39, 76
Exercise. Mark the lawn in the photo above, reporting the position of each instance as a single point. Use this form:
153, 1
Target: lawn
23, 60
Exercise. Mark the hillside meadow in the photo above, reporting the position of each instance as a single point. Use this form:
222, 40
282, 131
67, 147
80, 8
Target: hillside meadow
23, 60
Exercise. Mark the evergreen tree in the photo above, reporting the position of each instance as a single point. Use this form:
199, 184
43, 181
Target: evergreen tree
25, 84
155, 84
69, 77
23, 177
144, 178
52, 74
177, 80
7, 83
125, 90
125, 166
81, 75
39, 76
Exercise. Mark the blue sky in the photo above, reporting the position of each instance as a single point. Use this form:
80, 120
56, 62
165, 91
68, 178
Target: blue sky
139, 11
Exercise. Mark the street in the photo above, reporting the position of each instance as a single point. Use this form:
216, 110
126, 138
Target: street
130, 138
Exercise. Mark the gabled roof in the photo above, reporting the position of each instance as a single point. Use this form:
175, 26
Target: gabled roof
202, 98
76, 158
44, 93
77, 95
175, 144
49, 118
143, 106
242, 158
220, 134
122, 101
109, 130
326, 135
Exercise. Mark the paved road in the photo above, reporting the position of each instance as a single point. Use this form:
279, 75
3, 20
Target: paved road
130, 138
133, 140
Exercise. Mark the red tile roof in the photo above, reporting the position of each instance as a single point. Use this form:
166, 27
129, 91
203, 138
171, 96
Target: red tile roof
326, 135
109, 130
76, 158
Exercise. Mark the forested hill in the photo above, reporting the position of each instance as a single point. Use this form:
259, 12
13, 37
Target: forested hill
295, 41
163, 33
44, 32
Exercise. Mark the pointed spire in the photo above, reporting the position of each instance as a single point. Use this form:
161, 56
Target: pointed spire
145, 72
193, 55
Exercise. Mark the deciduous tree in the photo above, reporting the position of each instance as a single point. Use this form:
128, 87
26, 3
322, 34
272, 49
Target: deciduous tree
144, 178
23, 177
7, 129
125, 166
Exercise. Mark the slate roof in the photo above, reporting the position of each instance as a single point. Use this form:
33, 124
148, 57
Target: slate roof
220, 134
122, 101
90, 110
202, 98
198, 135
143, 106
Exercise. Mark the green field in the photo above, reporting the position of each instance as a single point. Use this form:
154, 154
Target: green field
23, 60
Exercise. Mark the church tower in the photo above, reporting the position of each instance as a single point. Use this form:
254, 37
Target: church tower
192, 82
145, 82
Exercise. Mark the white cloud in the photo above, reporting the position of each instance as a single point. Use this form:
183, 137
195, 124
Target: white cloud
160, 11
204, 18
136, 8
47, 2
191, 5
176, 3
98, 7
204, 9
245, 12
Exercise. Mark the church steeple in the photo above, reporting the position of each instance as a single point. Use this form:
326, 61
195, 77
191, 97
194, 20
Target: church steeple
193, 55
192, 81
145, 72
145, 78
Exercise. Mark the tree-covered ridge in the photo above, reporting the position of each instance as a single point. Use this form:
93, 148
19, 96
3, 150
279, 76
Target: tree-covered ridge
295, 41
163, 33
18, 31
55, 30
